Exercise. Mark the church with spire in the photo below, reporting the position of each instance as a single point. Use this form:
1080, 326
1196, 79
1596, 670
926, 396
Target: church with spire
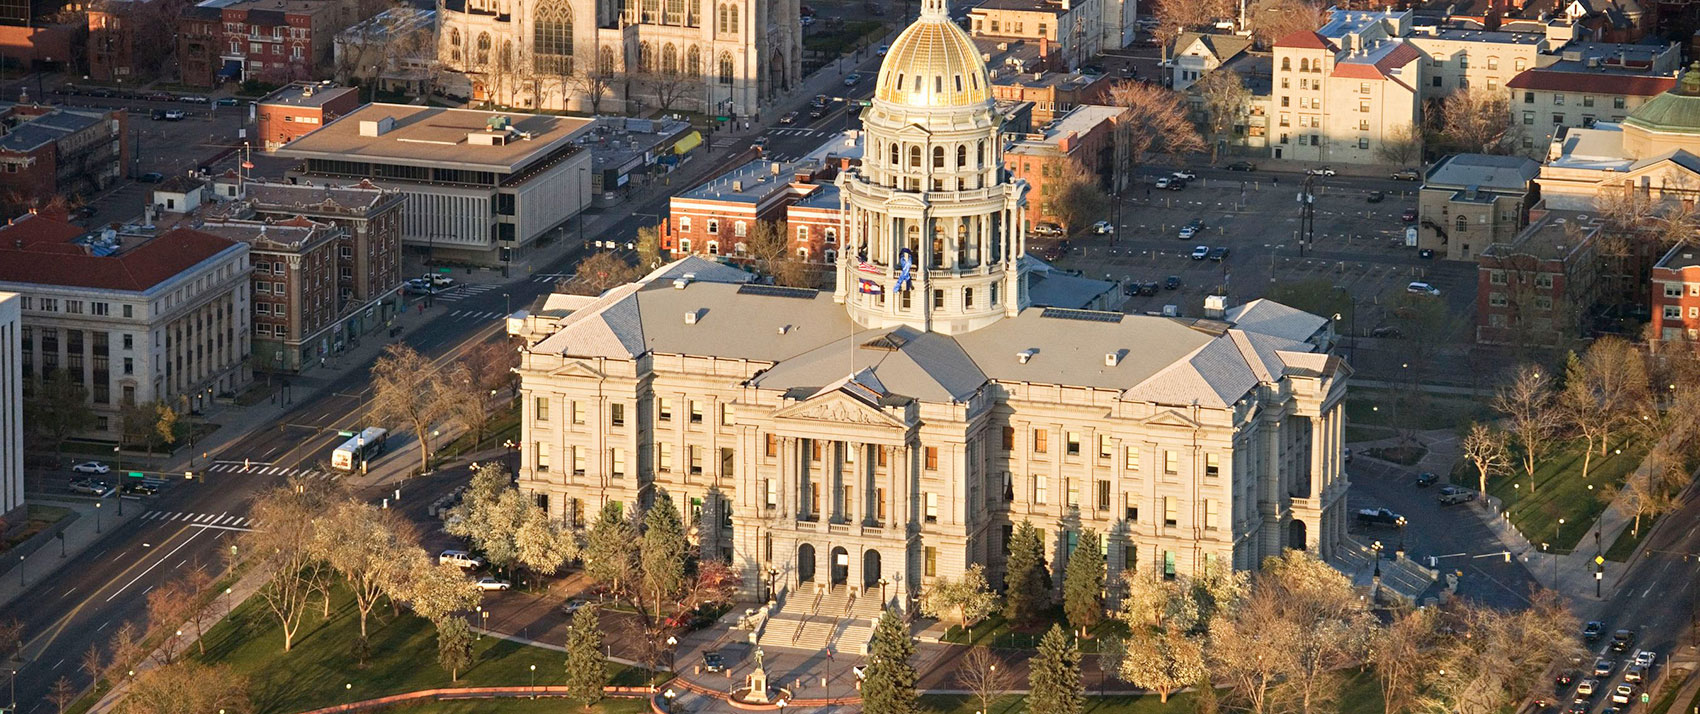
845, 449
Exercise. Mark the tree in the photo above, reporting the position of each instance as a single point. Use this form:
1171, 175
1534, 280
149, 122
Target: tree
1155, 125
1615, 374
1055, 678
769, 246
11, 638
62, 693
662, 557
454, 646
165, 423
1272, 20
587, 671
888, 684
367, 545
1582, 408
985, 676
1653, 489
435, 591
649, 247
1402, 655
1249, 649
1161, 659
1491, 658
598, 273
1083, 583
594, 80
93, 665
168, 607
541, 545
968, 599
407, 390
126, 651
611, 549
138, 423
186, 687
1401, 146
199, 585
667, 87
1331, 624
1526, 403
1225, 99
57, 408
1484, 448
282, 552
1027, 582
491, 515
1176, 16
1477, 120
491, 366
1074, 196
466, 402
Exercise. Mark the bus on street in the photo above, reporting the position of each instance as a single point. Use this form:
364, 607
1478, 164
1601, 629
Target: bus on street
359, 449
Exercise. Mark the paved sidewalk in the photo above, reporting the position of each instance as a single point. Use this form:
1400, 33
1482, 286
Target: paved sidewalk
82, 533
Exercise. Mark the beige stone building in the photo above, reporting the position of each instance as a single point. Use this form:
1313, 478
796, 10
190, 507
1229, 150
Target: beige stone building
1344, 92
1470, 201
723, 57
894, 430
1072, 30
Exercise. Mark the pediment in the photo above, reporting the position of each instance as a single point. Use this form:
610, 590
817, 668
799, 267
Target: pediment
838, 408
1171, 418
576, 368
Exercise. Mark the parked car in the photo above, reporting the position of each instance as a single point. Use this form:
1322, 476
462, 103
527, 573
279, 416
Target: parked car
1241, 166
1184, 175
1171, 183
1386, 331
1409, 216
713, 661
1047, 229
1187, 232
1376, 196
1422, 288
139, 488
89, 486
91, 467
1103, 228
151, 177
488, 583
1346, 454
438, 281
1173, 282
1379, 517
1451, 495
1593, 630
1201, 252
1219, 253
1149, 289
1407, 175
175, 115
1320, 171
1426, 254
460, 558
227, 101
1426, 479
193, 99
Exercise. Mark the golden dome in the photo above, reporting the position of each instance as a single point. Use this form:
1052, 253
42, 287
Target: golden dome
933, 64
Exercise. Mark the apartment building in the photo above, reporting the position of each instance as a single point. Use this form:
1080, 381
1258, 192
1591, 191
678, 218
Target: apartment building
1460, 59
477, 184
300, 108
1471, 201
369, 249
1536, 289
1675, 295
124, 39
133, 317
1591, 83
1083, 139
294, 288
273, 41
48, 151
11, 413
1343, 97
1073, 31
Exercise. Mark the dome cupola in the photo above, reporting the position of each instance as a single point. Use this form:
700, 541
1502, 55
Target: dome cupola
933, 64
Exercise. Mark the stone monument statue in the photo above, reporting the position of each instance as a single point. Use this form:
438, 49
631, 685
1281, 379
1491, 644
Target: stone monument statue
757, 681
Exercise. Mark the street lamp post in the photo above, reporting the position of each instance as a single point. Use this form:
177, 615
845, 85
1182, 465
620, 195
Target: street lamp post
534, 681
672, 652
97, 505
1555, 528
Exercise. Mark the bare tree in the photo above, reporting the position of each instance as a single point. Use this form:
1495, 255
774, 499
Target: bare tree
1526, 403
62, 693
281, 549
598, 273
649, 247
769, 245
1250, 649
1493, 657
1074, 196
93, 665
1272, 20
1478, 120
186, 687
1331, 622
1615, 373
1156, 123
126, 652
491, 366
667, 87
1484, 448
367, 545
1653, 489
11, 638
168, 608
1403, 654
594, 79
985, 676
467, 402
1402, 146
1225, 100
198, 583
408, 391
1176, 16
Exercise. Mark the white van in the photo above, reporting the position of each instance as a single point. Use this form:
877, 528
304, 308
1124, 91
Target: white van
460, 558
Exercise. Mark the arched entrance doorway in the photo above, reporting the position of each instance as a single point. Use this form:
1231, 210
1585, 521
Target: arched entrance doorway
840, 566
870, 570
778, 69
805, 563
1296, 535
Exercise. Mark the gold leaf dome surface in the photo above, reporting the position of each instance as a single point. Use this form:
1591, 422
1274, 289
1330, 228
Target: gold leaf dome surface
933, 64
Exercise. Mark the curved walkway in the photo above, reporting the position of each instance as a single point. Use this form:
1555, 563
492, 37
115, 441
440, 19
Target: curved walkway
553, 691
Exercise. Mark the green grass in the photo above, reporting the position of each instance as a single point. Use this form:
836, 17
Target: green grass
1362, 696
321, 671
520, 706
1560, 492
1381, 407
1626, 542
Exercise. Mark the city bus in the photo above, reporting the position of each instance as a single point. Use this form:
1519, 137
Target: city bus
359, 449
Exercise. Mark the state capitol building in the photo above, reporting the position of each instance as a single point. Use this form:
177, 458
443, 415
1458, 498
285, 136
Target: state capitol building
890, 432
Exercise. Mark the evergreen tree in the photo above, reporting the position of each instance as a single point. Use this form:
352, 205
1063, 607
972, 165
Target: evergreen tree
1027, 582
454, 646
888, 685
662, 559
610, 549
1083, 583
1055, 676
587, 671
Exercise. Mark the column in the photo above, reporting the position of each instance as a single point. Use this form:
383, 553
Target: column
1271, 503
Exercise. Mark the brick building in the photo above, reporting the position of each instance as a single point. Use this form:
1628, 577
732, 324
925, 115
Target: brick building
1085, 136
294, 288
1675, 294
273, 41
291, 112
52, 151
128, 39
1536, 289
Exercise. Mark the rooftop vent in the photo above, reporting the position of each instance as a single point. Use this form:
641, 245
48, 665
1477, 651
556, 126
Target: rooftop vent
1025, 355
377, 127
692, 317
680, 283
1112, 359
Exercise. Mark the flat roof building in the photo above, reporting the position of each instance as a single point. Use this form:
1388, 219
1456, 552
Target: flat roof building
11, 414
477, 183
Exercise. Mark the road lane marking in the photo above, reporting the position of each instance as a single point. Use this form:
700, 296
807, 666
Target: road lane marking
222, 528
185, 542
56, 664
102, 626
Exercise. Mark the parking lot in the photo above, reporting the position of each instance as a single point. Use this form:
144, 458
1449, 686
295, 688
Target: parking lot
1357, 245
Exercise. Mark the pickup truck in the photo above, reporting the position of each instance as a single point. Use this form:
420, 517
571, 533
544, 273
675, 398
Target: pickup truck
1378, 516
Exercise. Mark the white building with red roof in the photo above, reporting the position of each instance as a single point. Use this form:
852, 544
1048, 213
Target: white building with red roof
130, 316
1346, 95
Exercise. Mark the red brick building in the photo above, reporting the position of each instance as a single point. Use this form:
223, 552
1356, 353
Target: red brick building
1085, 136
129, 39
1676, 294
269, 40
1536, 289
294, 288
717, 217
299, 108
51, 151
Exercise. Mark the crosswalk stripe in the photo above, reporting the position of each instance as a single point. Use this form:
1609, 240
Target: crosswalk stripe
273, 471
178, 516
203, 518
223, 520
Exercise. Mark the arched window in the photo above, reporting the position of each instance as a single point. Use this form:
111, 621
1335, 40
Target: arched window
1287, 64
725, 68
693, 16
740, 247
669, 60
454, 45
675, 14
720, 24
646, 57
740, 229
1304, 65
651, 11
483, 48
732, 24
605, 61
896, 155
1463, 224
914, 157
693, 62
552, 38
507, 58
938, 157
714, 247
961, 156
985, 158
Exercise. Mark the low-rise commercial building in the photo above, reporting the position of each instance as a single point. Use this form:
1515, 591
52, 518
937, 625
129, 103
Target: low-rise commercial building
131, 316
627, 153
1471, 201
477, 184
47, 152
11, 413
301, 108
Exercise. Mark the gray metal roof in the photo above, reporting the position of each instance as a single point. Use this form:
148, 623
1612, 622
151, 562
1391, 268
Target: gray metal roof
1486, 171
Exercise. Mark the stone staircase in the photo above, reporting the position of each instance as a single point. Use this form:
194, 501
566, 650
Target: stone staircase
1401, 578
817, 620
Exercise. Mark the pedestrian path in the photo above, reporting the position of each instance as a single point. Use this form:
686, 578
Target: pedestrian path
208, 520
801, 132
268, 470
551, 277
459, 315
464, 291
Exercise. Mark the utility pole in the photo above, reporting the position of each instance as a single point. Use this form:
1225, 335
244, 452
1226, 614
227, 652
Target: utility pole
1307, 215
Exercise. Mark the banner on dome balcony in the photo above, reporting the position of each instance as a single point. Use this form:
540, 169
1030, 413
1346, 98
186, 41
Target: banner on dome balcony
905, 266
